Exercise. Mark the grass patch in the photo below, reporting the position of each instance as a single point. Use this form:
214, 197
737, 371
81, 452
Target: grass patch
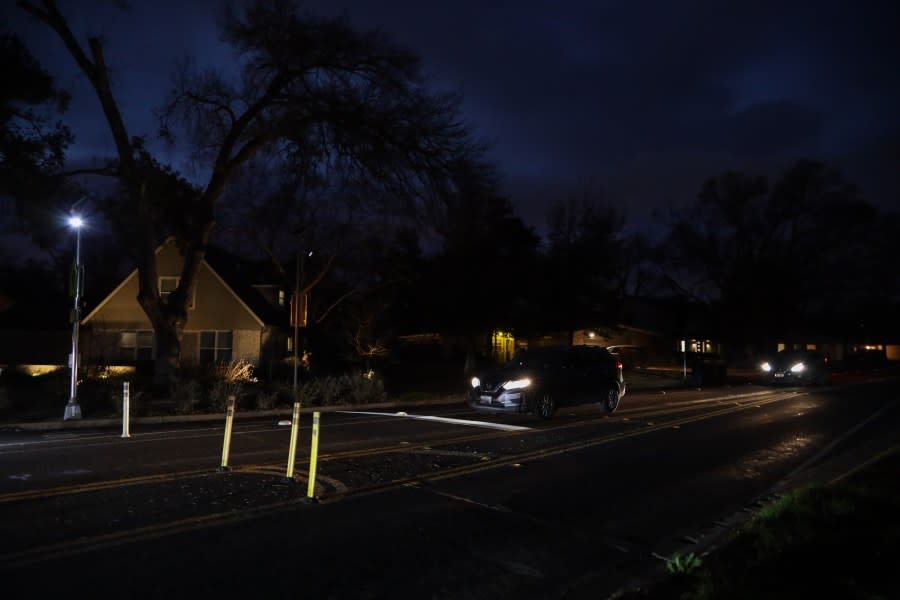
837, 541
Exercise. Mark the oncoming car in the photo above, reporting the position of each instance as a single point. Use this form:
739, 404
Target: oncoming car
797, 367
539, 380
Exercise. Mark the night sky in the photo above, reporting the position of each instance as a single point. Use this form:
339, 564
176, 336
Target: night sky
634, 103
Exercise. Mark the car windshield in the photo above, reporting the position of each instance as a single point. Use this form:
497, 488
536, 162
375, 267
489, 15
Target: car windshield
786, 356
538, 357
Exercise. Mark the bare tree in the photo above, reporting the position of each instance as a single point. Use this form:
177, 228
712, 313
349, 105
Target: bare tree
314, 91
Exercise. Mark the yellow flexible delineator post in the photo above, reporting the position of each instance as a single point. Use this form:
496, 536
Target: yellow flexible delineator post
292, 450
313, 457
226, 446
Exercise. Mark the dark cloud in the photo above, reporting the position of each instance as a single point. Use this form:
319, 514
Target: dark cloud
765, 129
642, 99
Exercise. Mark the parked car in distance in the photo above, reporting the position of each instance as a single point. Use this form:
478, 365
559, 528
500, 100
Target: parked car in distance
866, 360
631, 356
797, 367
538, 380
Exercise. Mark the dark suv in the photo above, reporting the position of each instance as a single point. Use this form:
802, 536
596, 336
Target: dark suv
540, 379
797, 367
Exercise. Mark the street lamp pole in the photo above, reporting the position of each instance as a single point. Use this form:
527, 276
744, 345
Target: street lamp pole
299, 307
295, 318
73, 409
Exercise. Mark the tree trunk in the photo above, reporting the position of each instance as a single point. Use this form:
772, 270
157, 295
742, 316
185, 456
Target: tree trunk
168, 352
168, 317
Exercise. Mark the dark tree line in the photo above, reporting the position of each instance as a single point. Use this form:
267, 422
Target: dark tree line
803, 255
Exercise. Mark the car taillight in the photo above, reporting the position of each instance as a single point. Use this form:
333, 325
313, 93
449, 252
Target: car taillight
618, 364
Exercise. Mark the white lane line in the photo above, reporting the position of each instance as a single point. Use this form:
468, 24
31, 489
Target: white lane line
484, 424
827, 449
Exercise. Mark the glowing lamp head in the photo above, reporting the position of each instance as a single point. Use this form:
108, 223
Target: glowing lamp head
75, 222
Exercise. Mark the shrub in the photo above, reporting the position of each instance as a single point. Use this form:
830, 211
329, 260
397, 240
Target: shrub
350, 388
236, 371
138, 400
219, 393
266, 399
364, 388
187, 396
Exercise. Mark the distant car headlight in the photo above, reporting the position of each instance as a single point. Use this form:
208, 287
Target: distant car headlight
475, 382
765, 367
517, 384
798, 368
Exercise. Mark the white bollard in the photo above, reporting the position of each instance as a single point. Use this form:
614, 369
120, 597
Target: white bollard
126, 409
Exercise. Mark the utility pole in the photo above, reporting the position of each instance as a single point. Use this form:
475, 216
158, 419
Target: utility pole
295, 318
299, 308
73, 409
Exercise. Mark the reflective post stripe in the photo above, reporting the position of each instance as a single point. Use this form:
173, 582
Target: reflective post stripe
226, 446
292, 451
313, 456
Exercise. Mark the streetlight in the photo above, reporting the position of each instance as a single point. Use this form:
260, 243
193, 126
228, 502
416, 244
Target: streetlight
73, 409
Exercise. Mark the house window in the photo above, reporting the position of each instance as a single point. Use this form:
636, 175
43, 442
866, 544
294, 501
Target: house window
215, 346
167, 285
136, 345
503, 346
280, 297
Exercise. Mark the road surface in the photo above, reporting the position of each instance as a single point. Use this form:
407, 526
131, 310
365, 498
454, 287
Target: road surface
437, 502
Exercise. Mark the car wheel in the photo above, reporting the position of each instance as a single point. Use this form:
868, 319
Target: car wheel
545, 406
611, 401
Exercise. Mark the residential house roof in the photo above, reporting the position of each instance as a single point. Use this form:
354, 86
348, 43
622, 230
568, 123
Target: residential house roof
237, 274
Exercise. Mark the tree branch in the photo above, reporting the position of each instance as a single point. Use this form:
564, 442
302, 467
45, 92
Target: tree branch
335, 304
95, 71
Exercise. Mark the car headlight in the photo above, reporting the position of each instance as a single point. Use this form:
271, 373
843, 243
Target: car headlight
517, 384
765, 367
798, 368
475, 382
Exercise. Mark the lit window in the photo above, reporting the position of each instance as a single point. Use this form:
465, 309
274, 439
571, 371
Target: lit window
167, 285
136, 345
280, 297
215, 346
503, 346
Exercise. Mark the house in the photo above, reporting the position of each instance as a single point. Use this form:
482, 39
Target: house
231, 316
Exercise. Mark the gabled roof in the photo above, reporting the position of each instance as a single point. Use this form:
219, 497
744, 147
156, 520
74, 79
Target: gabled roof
240, 275
231, 271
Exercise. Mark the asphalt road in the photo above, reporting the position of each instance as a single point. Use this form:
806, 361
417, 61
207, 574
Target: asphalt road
455, 505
